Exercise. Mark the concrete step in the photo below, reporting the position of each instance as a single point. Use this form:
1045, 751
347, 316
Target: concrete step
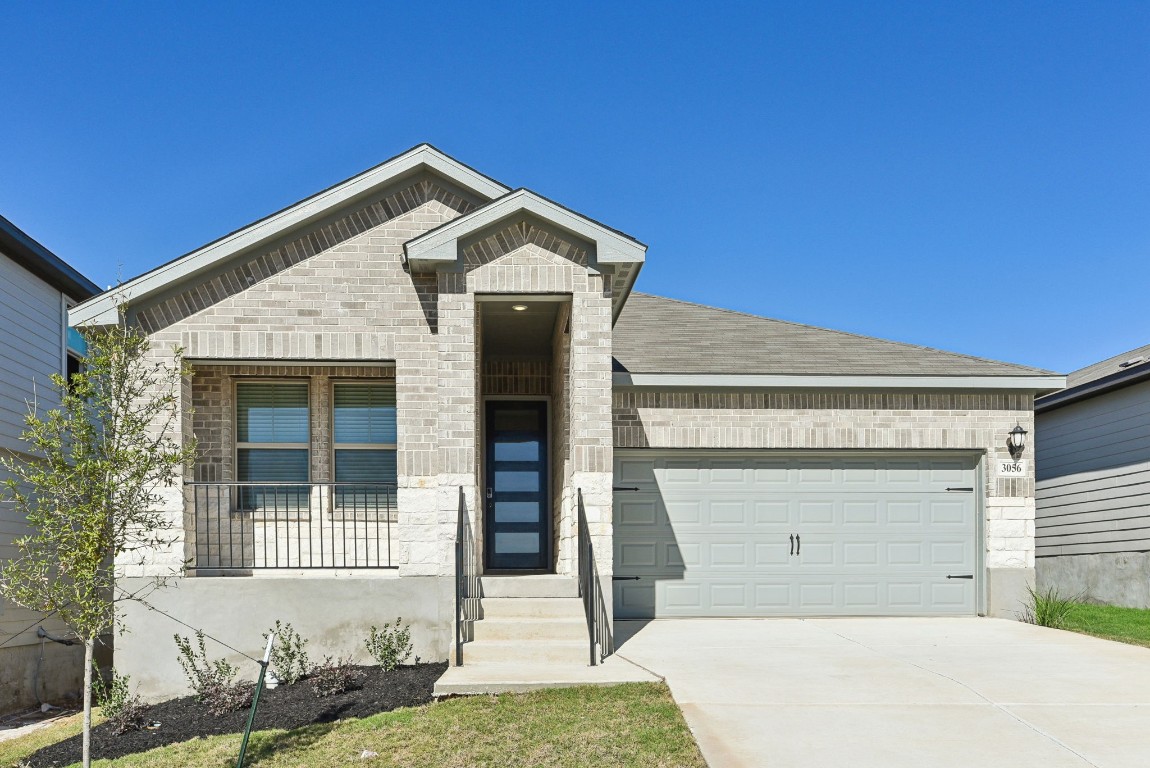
526, 652
476, 678
531, 628
532, 607
535, 585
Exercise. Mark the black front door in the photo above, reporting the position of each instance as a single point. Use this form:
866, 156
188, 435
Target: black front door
518, 519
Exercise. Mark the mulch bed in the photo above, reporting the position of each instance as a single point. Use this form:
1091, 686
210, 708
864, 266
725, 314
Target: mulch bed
286, 707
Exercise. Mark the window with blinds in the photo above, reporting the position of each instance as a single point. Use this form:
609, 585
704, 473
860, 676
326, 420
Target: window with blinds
272, 442
364, 440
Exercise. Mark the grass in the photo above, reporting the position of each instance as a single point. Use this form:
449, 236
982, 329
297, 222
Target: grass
1126, 625
13, 751
637, 724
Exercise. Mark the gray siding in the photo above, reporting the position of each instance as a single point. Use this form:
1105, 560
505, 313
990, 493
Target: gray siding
31, 349
1104, 432
1093, 467
31, 346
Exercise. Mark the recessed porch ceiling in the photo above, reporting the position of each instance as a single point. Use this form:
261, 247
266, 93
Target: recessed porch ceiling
511, 333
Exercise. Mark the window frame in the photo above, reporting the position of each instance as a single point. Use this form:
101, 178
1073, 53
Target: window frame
237, 445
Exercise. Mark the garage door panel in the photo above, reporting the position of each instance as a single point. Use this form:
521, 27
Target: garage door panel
947, 513
816, 512
879, 536
736, 513
861, 597
771, 513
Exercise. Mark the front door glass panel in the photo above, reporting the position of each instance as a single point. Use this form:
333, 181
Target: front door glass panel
518, 519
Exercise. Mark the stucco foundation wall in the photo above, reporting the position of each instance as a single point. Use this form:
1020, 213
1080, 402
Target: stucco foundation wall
1112, 578
968, 421
28, 678
333, 612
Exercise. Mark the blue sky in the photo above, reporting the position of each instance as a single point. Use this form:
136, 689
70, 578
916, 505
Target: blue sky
970, 176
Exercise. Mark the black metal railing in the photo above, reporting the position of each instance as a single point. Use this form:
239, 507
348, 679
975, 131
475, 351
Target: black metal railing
591, 590
467, 591
251, 526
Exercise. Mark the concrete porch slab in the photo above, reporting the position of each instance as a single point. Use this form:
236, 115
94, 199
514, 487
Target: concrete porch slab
474, 679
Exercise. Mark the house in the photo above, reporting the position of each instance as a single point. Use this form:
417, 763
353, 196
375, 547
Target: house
420, 386
1093, 471
36, 290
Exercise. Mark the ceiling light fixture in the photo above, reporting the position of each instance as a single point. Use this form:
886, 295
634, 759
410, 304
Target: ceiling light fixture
519, 307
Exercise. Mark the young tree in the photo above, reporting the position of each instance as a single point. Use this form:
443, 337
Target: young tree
92, 493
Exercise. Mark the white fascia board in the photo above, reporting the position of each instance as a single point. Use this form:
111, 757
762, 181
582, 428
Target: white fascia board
1036, 383
440, 246
95, 311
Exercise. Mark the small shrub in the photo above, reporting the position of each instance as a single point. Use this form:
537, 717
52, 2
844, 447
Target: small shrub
390, 647
1048, 608
334, 676
213, 681
289, 662
123, 710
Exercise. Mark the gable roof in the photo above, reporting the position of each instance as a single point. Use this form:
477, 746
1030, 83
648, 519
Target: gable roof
1109, 374
655, 335
102, 309
614, 251
22, 249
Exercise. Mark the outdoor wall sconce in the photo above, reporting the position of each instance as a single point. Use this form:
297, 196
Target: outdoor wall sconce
1016, 442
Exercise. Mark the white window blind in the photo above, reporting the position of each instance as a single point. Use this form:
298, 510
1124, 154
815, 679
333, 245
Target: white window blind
364, 421
272, 431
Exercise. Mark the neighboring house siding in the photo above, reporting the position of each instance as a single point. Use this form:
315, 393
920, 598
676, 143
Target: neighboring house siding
31, 347
1094, 475
31, 350
1109, 431
1093, 518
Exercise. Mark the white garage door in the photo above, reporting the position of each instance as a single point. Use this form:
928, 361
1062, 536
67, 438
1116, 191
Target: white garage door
713, 534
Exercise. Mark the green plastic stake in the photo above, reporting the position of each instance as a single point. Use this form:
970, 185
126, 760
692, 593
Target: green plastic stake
256, 699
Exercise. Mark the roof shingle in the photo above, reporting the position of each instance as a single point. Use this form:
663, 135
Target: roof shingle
659, 335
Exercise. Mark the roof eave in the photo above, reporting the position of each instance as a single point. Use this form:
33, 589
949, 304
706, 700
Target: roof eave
1030, 383
439, 247
102, 308
34, 257
1093, 388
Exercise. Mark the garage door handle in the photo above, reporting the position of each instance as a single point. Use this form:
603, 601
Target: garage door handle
792, 545
960, 489
969, 576
622, 488
625, 578
798, 544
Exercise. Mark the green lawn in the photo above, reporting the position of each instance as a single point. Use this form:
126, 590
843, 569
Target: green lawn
1126, 625
634, 725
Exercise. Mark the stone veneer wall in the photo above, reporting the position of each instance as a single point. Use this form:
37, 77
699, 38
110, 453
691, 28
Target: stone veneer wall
974, 421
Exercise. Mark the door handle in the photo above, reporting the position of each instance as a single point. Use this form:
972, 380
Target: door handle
792, 545
971, 576
798, 544
625, 578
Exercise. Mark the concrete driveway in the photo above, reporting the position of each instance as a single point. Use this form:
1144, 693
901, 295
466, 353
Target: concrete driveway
922, 693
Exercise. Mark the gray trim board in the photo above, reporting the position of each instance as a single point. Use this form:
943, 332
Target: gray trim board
1038, 383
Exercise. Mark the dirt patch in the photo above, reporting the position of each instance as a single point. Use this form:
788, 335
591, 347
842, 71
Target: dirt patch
287, 706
